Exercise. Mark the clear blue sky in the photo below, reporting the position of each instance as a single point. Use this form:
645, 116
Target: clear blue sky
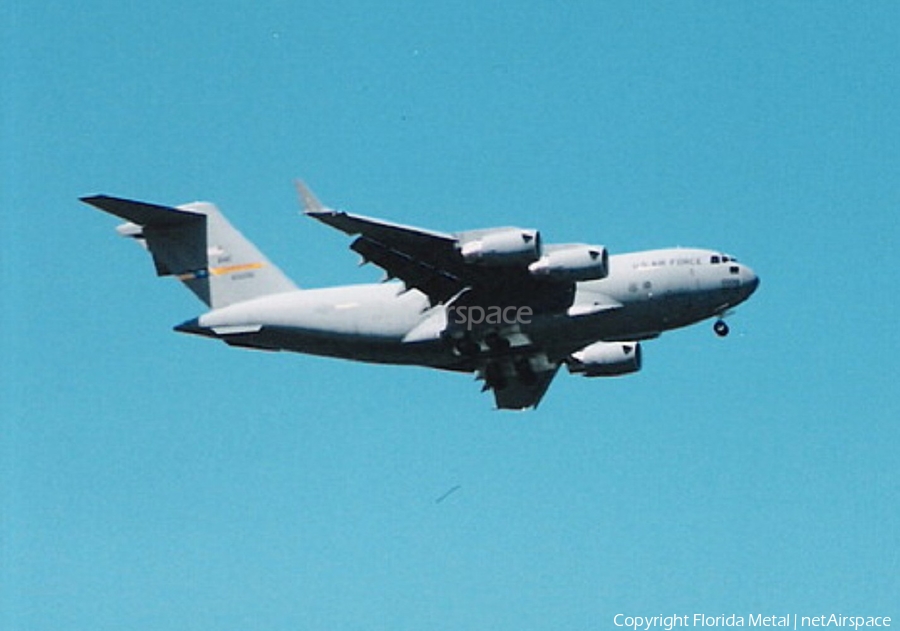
152, 480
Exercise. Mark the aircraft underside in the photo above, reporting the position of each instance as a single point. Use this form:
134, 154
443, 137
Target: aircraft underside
555, 335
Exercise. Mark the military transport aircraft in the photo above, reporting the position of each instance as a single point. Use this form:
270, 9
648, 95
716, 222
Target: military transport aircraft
499, 303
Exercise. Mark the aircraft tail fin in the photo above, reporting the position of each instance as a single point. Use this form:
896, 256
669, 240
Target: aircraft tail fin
196, 243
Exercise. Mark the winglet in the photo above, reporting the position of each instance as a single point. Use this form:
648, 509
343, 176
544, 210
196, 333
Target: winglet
310, 202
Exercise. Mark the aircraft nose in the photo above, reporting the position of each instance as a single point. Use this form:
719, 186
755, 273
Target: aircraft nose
751, 280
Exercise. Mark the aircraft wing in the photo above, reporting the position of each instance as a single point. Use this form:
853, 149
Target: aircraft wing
518, 382
423, 259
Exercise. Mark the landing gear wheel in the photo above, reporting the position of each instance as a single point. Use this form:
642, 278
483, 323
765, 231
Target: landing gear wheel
721, 328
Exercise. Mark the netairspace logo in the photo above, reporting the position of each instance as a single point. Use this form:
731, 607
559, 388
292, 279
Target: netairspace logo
788, 621
473, 316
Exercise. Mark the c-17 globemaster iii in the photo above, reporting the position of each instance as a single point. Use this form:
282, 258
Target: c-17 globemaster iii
499, 303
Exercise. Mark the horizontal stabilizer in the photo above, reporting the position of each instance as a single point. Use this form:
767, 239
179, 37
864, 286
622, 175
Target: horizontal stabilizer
175, 238
142, 213
198, 245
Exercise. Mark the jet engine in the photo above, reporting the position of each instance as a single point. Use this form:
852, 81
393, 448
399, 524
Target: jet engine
606, 359
572, 263
506, 246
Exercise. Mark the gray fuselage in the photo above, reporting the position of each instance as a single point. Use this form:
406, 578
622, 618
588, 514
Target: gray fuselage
644, 294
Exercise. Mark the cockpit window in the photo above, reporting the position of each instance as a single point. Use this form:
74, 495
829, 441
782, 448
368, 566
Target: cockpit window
714, 259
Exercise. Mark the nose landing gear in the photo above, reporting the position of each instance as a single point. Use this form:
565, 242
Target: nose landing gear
721, 328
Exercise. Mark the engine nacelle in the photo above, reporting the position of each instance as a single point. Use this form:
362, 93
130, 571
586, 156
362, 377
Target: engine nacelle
506, 246
606, 359
572, 263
